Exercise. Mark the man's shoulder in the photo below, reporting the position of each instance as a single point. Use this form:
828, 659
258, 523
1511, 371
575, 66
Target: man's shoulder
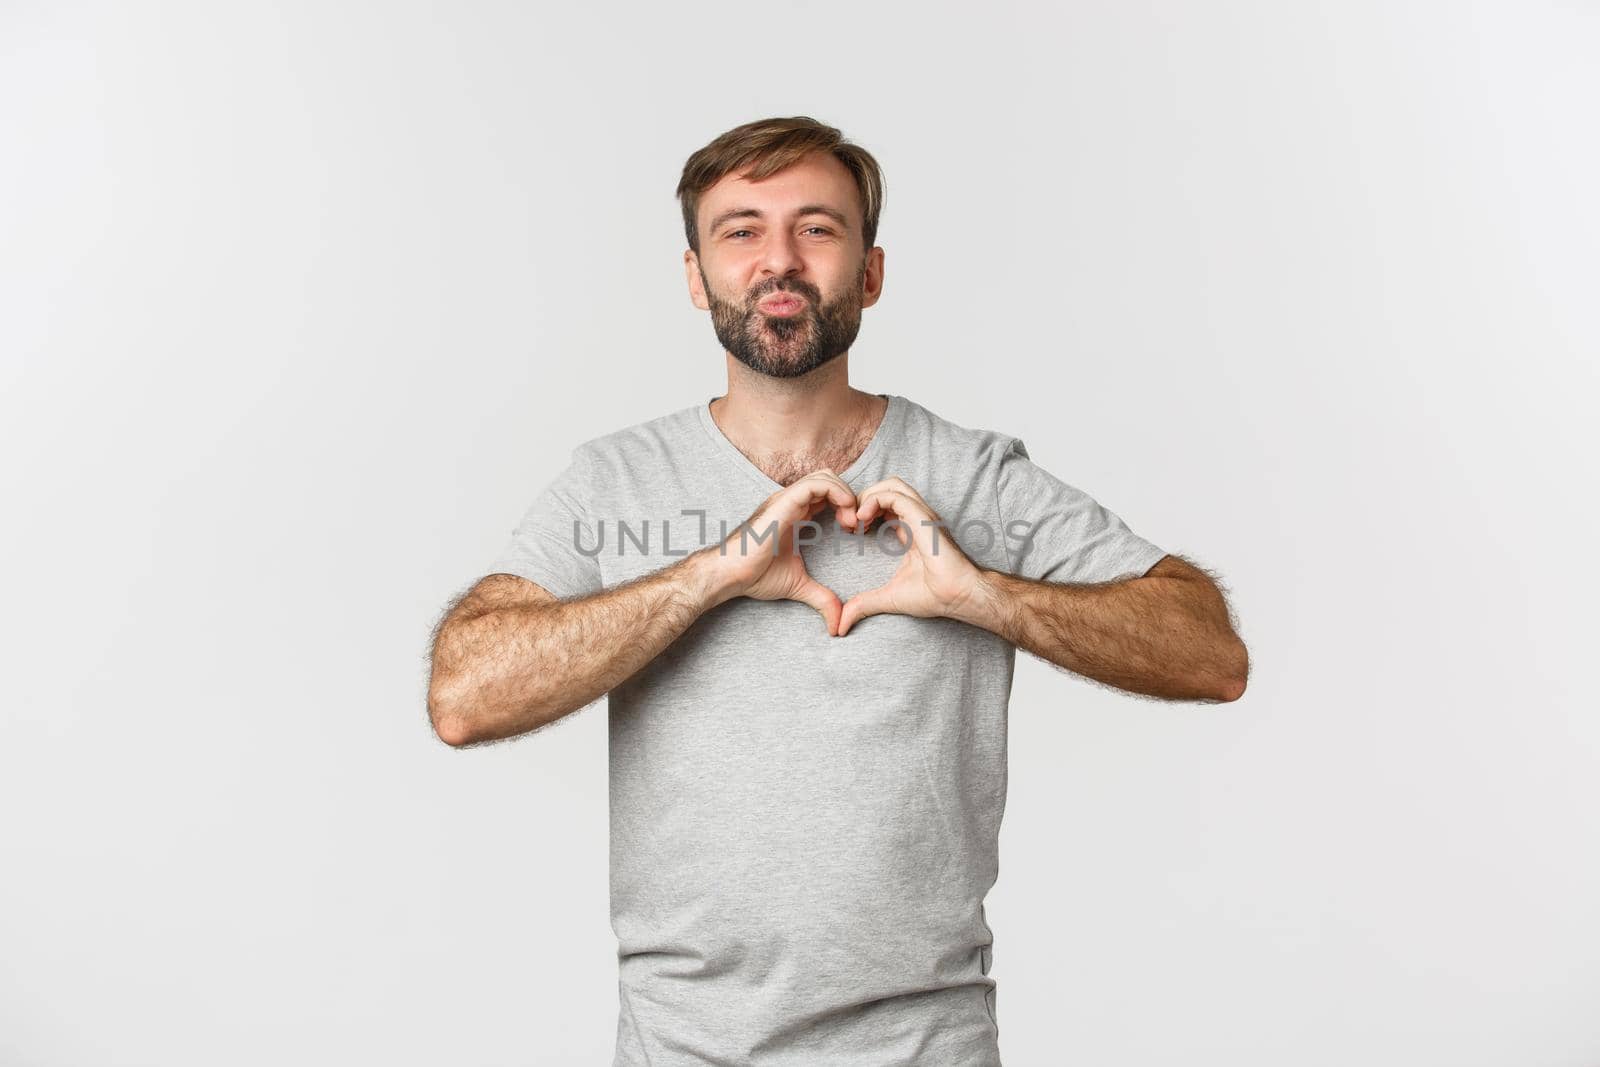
638, 440
948, 436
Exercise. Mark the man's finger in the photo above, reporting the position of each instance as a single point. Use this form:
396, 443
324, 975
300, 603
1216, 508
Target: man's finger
891, 502
805, 497
870, 602
918, 523
823, 599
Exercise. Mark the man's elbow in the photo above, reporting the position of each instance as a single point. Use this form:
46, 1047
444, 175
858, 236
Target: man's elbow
450, 722
1234, 672
454, 732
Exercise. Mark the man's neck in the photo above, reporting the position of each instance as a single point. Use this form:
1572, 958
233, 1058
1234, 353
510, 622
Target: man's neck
790, 427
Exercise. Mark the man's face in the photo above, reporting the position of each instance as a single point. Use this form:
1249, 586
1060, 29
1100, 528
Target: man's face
782, 268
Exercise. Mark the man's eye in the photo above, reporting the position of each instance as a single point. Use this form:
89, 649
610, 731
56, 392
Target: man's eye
808, 229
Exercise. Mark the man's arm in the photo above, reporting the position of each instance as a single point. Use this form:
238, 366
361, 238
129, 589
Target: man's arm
511, 657
1166, 634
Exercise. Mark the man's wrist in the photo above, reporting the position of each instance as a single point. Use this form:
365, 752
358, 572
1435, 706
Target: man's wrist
981, 604
708, 579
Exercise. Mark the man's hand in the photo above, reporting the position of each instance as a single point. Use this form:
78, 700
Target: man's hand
1168, 633
761, 559
935, 578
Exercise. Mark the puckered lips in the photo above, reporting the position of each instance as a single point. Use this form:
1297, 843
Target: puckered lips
782, 305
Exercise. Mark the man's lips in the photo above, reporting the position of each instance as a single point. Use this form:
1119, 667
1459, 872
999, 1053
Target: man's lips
783, 304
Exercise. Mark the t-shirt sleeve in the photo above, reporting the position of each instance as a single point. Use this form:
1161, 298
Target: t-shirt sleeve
546, 548
1056, 532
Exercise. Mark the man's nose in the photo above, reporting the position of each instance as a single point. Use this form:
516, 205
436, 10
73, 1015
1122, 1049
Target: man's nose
781, 254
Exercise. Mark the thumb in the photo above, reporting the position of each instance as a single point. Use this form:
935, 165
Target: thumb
819, 596
870, 602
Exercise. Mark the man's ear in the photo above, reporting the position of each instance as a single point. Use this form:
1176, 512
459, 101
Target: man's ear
872, 277
691, 272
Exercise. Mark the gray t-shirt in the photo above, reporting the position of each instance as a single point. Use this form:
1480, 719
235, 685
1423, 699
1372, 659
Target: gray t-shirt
804, 827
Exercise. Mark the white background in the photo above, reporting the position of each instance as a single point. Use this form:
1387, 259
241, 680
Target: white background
300, 304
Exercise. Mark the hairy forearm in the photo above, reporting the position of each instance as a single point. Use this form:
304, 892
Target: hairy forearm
1166, 637
508, 670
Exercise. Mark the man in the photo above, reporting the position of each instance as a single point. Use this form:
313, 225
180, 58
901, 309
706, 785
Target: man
805, 811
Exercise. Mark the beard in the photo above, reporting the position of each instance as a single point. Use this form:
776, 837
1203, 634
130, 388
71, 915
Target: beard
787, 346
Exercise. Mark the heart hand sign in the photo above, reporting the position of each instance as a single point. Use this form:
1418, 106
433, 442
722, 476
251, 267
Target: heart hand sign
934, 577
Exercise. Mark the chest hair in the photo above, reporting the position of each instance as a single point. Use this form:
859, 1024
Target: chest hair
836, 455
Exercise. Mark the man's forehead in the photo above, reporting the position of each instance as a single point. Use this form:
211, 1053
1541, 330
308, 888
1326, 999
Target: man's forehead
819, 179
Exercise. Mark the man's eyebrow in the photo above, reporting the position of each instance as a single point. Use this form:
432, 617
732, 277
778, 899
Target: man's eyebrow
754, 213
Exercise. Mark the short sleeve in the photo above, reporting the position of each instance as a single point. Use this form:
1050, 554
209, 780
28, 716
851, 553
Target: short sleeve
555, 544
1058, 533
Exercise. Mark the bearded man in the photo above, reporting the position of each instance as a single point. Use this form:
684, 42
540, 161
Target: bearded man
807, 692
